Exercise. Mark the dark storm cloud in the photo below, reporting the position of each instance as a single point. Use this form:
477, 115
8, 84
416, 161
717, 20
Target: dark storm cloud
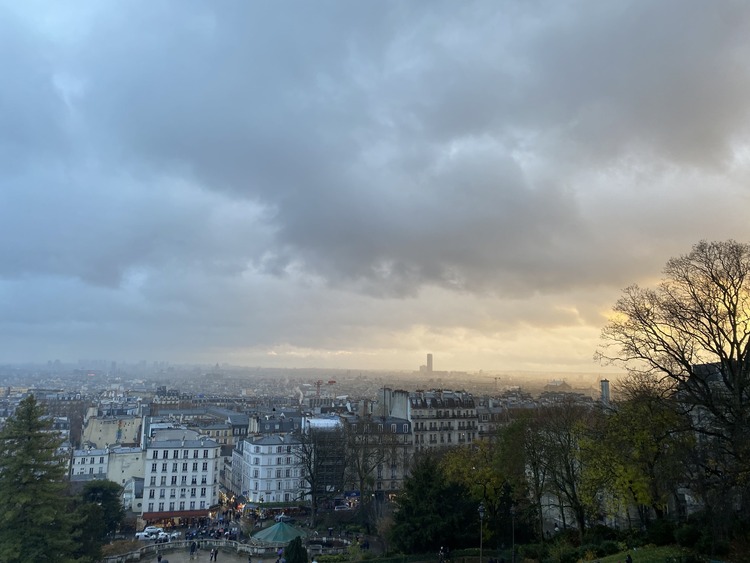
181, 159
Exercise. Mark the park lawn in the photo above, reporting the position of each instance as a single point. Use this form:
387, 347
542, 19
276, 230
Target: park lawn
646, 554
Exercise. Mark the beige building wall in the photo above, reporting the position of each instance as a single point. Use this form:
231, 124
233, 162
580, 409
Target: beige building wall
108, 431
124, 464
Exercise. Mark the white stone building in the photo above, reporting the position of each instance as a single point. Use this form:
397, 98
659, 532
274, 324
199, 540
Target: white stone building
89, 464
180, 476
271, 469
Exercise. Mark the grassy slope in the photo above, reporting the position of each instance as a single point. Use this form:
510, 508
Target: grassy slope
645, 555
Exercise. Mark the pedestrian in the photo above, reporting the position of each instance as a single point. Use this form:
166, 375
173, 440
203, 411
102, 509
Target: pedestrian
628, 559
193, 549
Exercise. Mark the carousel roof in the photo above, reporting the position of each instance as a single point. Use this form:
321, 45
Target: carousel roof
280, 533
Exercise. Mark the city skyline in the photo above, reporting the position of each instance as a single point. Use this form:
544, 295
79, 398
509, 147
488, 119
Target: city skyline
356, 185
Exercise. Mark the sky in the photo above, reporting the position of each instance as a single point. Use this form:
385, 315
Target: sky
353, 185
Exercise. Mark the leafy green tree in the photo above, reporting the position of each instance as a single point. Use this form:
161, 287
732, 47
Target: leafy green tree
639, 455
35, 524
98, 514
433, 511
106, 495
295, 552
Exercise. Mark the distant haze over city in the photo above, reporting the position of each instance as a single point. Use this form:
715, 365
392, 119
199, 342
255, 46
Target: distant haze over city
353, 185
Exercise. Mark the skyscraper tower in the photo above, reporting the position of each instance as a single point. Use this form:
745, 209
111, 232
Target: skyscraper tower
604, 385
429, 363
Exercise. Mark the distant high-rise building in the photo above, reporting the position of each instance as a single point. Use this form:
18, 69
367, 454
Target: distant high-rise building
604, 385
429, 363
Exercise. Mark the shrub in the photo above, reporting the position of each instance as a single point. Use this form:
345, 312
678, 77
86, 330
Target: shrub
589, 551
532, 551
609, 547
661, 532
687, 535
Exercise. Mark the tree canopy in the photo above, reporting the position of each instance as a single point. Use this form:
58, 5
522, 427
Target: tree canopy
690, 335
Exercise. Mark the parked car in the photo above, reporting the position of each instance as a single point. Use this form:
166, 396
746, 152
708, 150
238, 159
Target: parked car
175, 535
143, 536
153, 529
284, 518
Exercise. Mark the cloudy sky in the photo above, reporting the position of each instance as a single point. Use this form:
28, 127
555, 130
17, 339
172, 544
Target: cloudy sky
355, 184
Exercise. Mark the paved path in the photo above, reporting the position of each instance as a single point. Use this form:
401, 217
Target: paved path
223, 557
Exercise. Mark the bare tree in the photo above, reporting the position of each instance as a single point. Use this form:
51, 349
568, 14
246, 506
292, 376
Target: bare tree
322, 462
692, 334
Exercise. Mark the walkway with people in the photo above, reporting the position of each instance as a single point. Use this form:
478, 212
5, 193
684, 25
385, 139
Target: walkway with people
182, 556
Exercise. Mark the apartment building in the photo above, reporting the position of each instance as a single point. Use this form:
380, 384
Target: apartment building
442, 419
270, 469
181, 475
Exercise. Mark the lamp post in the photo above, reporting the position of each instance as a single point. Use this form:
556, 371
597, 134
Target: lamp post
512, 534
481, 528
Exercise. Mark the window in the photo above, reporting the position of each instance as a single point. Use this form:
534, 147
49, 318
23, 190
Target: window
172, 493
153, 481
192, 492
393, 428
203, 480
183, 480
203, 491
83, 461
171, 506
255, 473
195, 454
279, 449
153, 468
101, 460
183, 493
175, 454
203, 504
152, 493
205, 466
174, 468
256, 450
182, 505
164, 467
150, 506
192, 505
288, 473
195, 466
278, 473
163, 481
184, 454
205, 452
184, 466
278, 461
156, 454
161, 507
256, 461
162, 493
289, 461
174, 480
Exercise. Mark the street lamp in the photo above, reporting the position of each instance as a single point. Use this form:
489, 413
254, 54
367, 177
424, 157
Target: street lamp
481, 527
513, 534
